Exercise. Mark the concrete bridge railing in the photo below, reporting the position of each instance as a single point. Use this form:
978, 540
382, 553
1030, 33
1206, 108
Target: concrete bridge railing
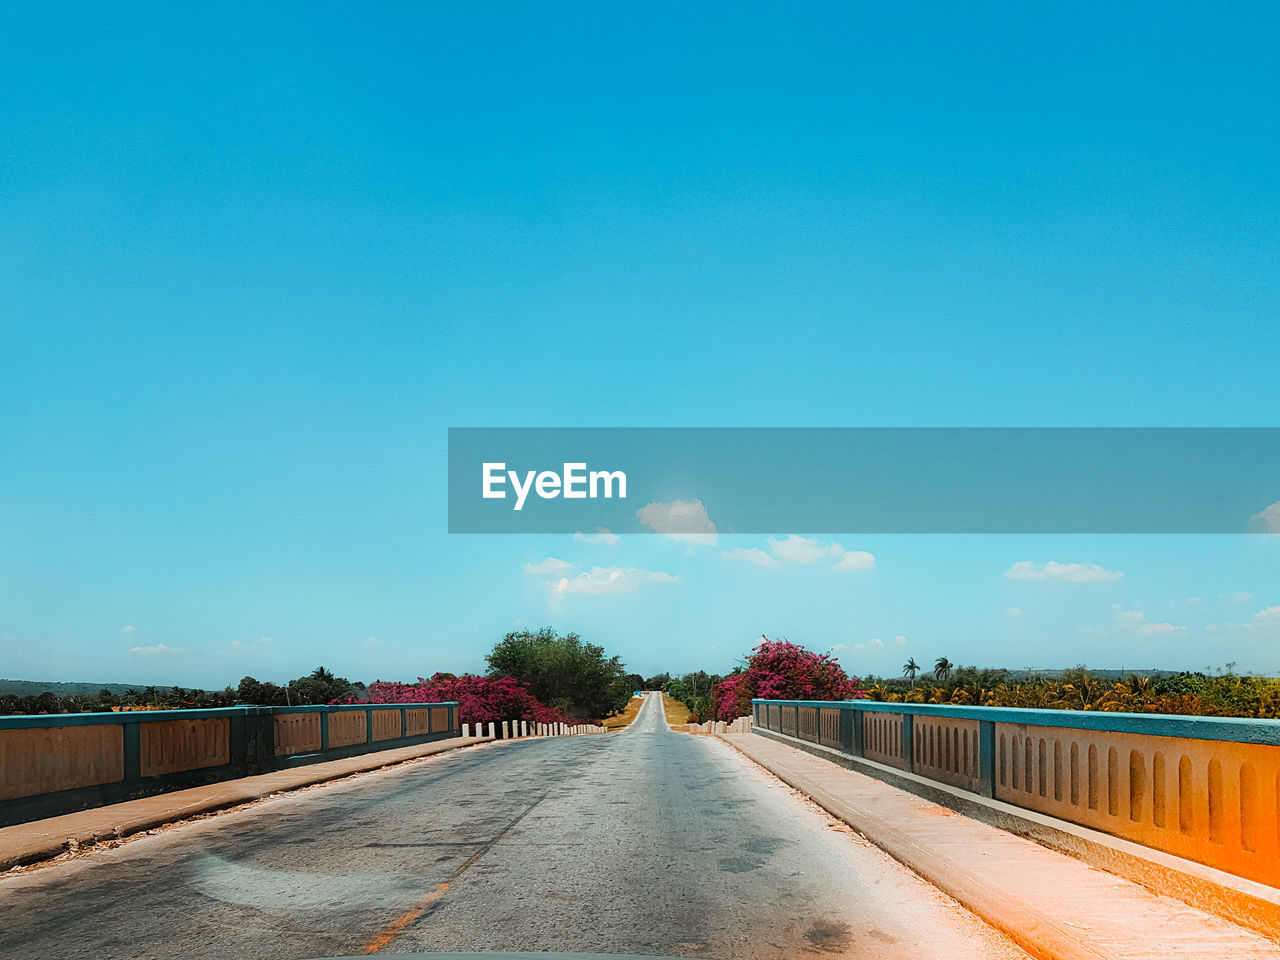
1203, 788
517, 729
57, 763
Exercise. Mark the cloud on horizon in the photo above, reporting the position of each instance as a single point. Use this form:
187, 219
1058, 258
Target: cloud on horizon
602, 535
684, 520
1268, 617
548, 567
1266, 520
1065, 572
752, 555
157, 650
608, 580
805, 550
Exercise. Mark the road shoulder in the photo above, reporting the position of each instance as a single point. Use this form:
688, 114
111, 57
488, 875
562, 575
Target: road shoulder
40, 840
1052, 905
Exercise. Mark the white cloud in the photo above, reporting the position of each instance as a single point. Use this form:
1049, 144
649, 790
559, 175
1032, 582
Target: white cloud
1014, 612
876, 643
1242, 597
683, 520
1268, 617
128, 628
796, 549
1159, 629
856, 560
550, 566
900, 640
751, 555
1067, 572
157, 650
1137, 620
371, 642
602, 535
608, 580
1266, 520
839, 646
1194, 601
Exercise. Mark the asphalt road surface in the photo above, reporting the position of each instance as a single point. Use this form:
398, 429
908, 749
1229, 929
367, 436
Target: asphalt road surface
641, 842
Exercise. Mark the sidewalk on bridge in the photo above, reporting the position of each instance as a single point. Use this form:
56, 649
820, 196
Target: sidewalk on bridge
39, 840
1051, 904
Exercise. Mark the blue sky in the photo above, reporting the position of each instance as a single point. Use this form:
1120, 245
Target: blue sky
254, 264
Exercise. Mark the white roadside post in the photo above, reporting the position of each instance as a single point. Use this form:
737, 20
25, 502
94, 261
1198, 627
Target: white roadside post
491, 730
524, 728
506, 730
466, 729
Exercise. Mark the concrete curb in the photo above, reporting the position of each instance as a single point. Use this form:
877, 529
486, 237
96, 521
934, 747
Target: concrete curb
981, 886
39, 840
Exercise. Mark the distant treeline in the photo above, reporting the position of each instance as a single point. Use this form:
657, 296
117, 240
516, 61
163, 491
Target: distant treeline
319, 686
33, 688
1223, 694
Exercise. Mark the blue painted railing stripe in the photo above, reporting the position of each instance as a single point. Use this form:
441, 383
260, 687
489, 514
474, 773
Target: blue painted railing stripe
1237, 729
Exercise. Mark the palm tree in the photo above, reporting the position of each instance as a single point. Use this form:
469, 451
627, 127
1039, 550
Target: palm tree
320, 673
910, 669
942, 669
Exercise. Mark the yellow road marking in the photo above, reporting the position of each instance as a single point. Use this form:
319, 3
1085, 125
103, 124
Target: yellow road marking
389, 932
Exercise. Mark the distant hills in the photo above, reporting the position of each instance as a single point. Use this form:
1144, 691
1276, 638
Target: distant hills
33, 688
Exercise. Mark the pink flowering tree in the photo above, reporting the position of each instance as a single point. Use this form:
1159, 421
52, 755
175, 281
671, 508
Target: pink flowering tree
479, 699
779, 670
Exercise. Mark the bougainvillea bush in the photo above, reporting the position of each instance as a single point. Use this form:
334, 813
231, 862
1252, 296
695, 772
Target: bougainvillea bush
779, 670
480, 699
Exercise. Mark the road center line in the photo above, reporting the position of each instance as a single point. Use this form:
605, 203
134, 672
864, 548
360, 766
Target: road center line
393, 929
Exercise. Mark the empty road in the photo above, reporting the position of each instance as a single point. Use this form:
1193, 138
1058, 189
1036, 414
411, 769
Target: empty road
642, 842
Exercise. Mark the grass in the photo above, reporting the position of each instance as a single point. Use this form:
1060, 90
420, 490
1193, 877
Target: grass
676, 712
625, 717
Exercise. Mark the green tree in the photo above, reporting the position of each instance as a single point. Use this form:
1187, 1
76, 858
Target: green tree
563, 672
253, 692
942, 669
319, 686
910, 669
